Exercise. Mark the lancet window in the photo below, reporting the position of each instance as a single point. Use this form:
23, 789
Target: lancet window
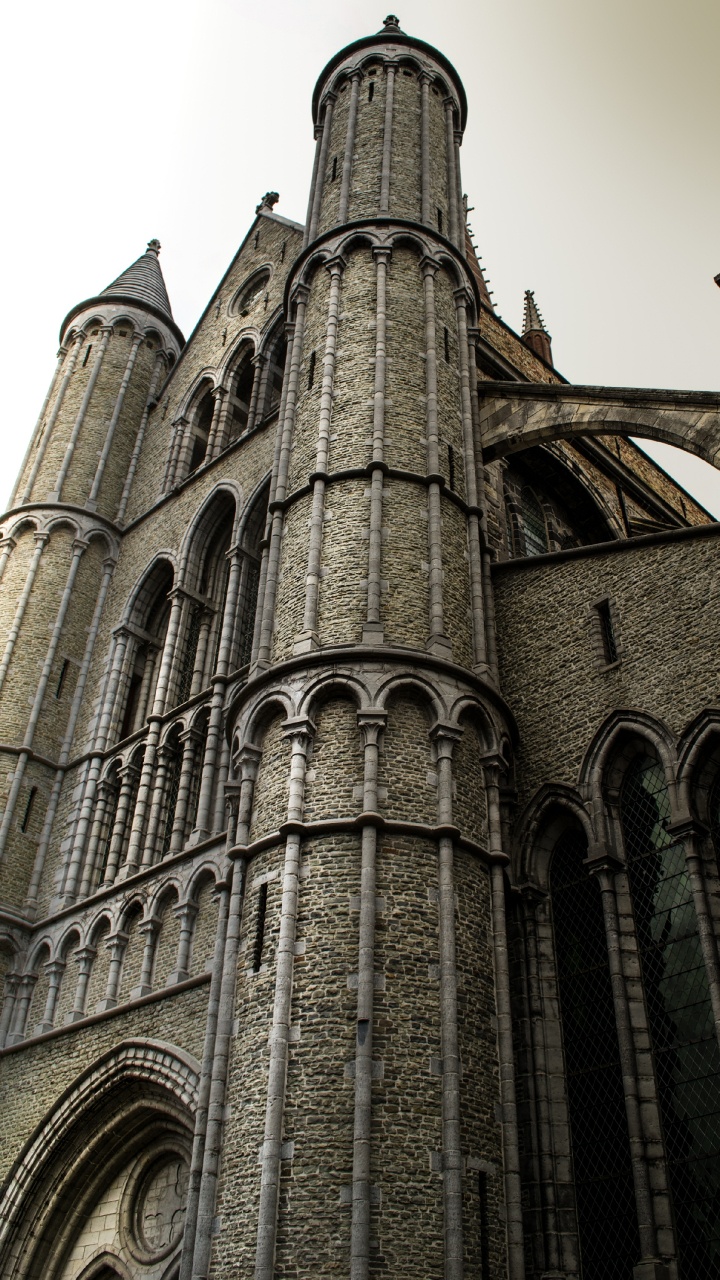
602, 1171
680, 1019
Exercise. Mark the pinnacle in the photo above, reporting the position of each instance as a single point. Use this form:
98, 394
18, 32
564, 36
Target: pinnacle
143, 282
533, 321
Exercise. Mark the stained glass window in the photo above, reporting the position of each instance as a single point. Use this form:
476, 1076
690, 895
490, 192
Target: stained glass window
685, 1048
534, 527
604, 1191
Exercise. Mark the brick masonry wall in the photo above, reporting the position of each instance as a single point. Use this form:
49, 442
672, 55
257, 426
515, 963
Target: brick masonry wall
40, 1073
549, 668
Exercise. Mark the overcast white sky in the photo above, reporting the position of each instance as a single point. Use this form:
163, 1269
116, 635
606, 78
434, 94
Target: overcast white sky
590, 157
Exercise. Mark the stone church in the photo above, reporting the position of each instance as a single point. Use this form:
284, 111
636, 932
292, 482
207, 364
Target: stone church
360, 741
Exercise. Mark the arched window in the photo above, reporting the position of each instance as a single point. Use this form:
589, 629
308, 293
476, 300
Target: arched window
150, 616
604, 1190
240, 396
276, 373
685, 1049
201, 422
533, 524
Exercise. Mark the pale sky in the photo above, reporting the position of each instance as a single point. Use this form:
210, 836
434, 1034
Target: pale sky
590, 158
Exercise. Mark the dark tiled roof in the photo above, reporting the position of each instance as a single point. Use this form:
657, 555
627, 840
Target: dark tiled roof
143, 282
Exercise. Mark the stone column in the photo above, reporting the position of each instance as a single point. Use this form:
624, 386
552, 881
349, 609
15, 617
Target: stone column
91, 503
216, 435
308, 638
452, 231
84, 958
128, 778
190, 740
344, 202
186, 914
508, 1100
605, 867
106, 792
121, 640
55, 970
390, 68
40, 543
371, 723
300, 733
445, 737
318, 135
276, 505
373, 629
21, 1007
56, 495
12, 982
438, 642
425, 80
488, 596
217, 706
31, 900
79, 548
259, 388
691, 834
7, 546
165, 757
132, 860
210, 1114
46, 436
116, 944
179, 428
265, 545
330, 100
460, 241
473, 518
132, 468
149, 929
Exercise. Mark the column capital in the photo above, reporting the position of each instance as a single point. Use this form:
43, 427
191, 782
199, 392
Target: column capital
426, 77
462, 296
335, 265
372, 721
687, 828
382, 253
186, 910
355, 76
445, 736
298, 727
218, 392
41, 536
429, 266
330, 99
602, 860
300, 293
55, 967
80, 544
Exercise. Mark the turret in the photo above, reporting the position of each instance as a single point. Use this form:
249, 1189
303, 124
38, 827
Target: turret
115, 350
534, 334
60, 543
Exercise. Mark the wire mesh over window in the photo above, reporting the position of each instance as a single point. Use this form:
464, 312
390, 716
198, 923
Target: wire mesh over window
187, 667
604, 1191
171, 798
247, 608
685, 1048
534, 526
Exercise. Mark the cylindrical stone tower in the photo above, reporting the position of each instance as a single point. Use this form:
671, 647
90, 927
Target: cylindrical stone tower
60, 542
368, 742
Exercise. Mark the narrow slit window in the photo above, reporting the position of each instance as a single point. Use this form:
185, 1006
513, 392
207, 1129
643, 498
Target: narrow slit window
256, 240
371, 91
440, 221
451, 466
61, 678
87, 354
607, 631
260, 927
282, 250
311, 371
333, 175
446, 336
28, 809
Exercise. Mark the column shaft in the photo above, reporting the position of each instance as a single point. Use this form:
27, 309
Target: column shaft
56, 495
112, 425
387, 138
46, 436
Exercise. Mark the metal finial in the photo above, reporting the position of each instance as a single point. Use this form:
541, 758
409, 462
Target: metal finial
269, 199
154, 246
391, 23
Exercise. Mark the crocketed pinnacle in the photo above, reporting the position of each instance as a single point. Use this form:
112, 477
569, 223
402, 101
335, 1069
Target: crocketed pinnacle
533, 321
143, 282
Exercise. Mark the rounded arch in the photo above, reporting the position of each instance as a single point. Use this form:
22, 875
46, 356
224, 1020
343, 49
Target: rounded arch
698, 762
39, 954
334, 685
253, 726
132, 908
138, 1092
169, 891
416, 685
249, 292
216, 515
70, 938
158, 577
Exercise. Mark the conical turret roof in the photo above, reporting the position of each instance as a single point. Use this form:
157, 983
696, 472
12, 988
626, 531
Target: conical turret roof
143, 282
532, 321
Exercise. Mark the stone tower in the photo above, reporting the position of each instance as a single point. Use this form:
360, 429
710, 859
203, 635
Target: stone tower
359, 850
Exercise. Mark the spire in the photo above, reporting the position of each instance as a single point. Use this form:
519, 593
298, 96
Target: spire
534, 334
143, 282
